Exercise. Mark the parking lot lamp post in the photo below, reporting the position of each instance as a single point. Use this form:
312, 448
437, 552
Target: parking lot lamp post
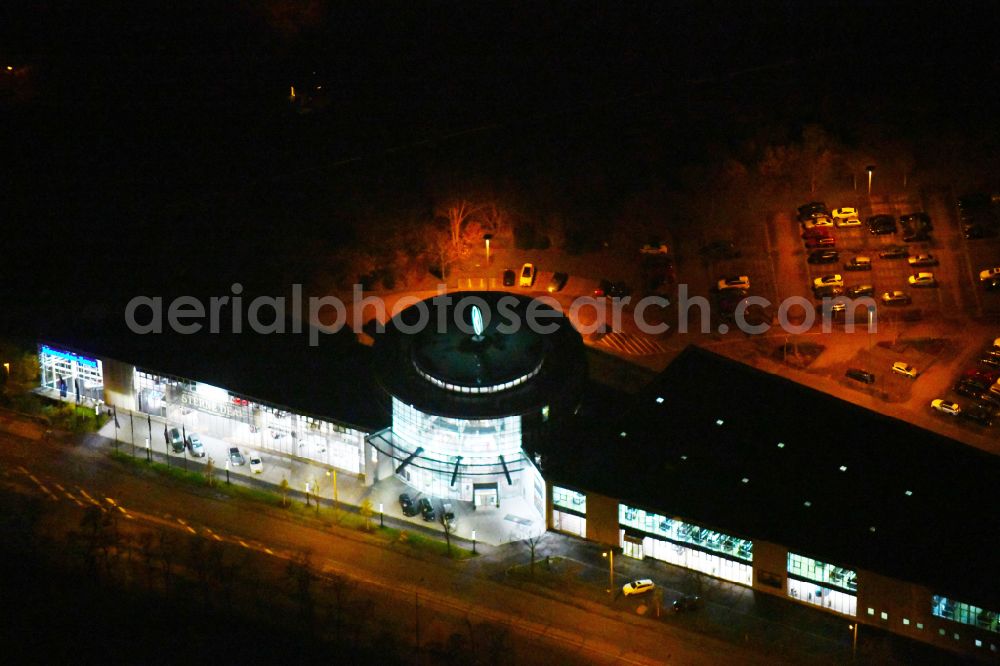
870, 169
473, 542
854, 640
610, 554
149, 453
381, 516
227, 472
487, 238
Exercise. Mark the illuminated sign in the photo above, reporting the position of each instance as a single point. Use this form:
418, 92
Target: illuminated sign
69, 356
477, 321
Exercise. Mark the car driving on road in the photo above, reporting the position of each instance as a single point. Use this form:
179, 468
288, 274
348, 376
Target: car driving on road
256, 464
235, 457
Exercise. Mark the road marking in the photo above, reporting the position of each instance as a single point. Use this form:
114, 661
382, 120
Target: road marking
110, 501
243, 543
269, 551
59, 486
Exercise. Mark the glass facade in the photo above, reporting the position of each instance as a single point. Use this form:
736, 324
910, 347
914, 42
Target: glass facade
684, 544
964, 613
479, 442
569, 499
822, 584
218, 413
72, 375
569, 522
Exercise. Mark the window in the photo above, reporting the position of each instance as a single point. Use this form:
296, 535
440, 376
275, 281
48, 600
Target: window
920, 625
906, 621
569, 499
884, 615
823, 572
964, 613
678, 531
871, 611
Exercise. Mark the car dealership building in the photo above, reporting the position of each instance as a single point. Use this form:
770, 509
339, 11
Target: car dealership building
714, 466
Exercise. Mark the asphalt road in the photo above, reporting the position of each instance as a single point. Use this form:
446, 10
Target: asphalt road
448, 594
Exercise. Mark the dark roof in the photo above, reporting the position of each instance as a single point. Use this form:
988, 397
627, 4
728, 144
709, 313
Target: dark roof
550, 361
331, 380
720, 422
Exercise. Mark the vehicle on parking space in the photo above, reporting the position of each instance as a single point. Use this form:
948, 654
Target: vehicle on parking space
720, 249
831, 280
894, 252
822, 241
407, 506
426, 509
989, 273
975, 232
195, 446
946, 406
923, 260
916, 237
880, 225
557, 282
527, 275
917, 221
612, 289
905, 369
922, 280
848, 222
812, 208
256, 464
823, 257
828, 291
996, 343
845, 212
176, 440
734, 282
859, 264
509, 277
235, 457
814, 232
860, 375
860, 290
974, 201
896, 298
989, 398
688, 602
991, 359
655, 247
640, 586
970, 388
981, 414
817, 221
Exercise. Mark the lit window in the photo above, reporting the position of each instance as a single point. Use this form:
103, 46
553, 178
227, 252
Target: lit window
884, 615
719, 421
909, 493
684, 457
871, 529
906, 621
745, 480
979, 643
807, 503
843, 468
920, 625
941, 632
659, 400
955, 636
871, 611
781, 445
622, 434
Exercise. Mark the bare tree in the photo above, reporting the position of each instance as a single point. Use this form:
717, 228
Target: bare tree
532, 543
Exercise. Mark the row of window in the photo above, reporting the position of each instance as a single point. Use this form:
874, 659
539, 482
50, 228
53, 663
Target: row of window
569, 499
495, 388
964, 613
884, 616
678, 530
822, 572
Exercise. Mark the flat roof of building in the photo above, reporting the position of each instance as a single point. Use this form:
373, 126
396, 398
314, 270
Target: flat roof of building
756, 455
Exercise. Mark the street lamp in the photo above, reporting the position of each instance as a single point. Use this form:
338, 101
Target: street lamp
336, 501
227, 472
473, 542
610, 555
870, 169
487, 238
381, 516
854, 640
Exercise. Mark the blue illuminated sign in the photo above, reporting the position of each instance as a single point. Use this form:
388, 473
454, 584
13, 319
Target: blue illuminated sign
69, 356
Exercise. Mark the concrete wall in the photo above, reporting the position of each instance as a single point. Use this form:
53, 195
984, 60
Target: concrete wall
770, 563
602, 519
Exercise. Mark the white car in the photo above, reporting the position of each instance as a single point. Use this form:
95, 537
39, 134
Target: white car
989, 273
848, 222
820, 221
904, 368
923, 260
527, 275
735, 282
638, 587
845, 212
195, 445
835, 280
256, 464
922, 280
946, 407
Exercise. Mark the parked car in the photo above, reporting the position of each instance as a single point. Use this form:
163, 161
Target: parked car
686, 603
860, 263
922, 280
894, 252
813, 232
831, 280
989, 273
734, 282
655, 247
946, 407
426, 509
235, 457
819, 220
846, 212
970, 388
822, 241
861, 290
880, 225
509, 277
828, 291
557, 282
981, 414
826, 256
256, 464
810, 209
720, 249
860, 375
612, 289
923, 260
527, 275
905, 369
407, 506
916, 237
176, 440
195, 446
848, 222
640, 586
896, 298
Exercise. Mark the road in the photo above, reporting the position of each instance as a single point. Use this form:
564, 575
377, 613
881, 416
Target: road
450, 594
